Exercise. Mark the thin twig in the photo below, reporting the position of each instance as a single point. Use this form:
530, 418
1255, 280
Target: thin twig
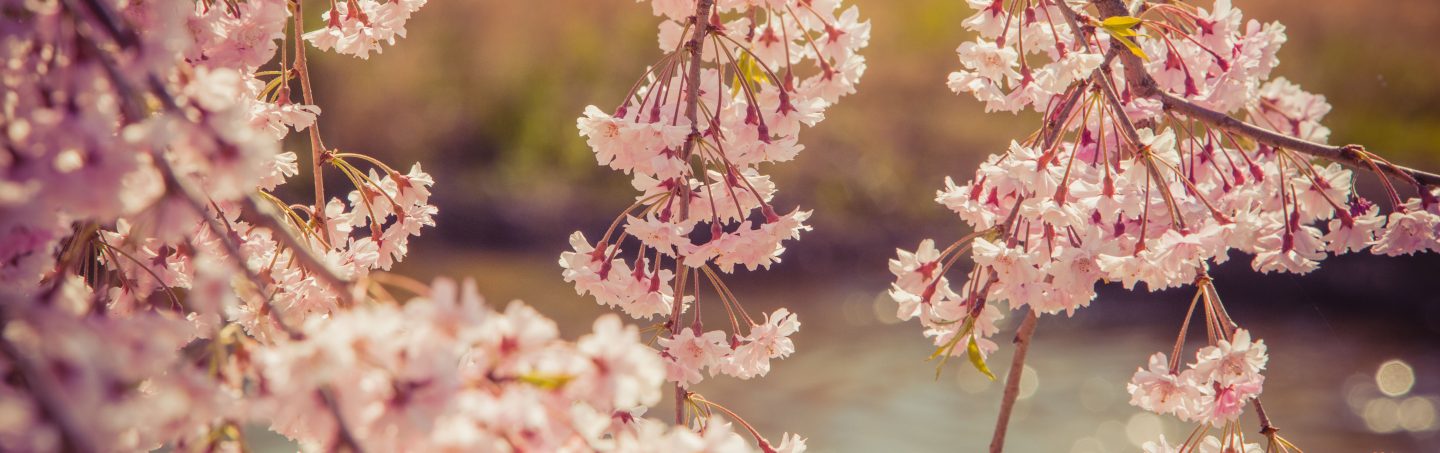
692, 89
317, 147
692, 101
1012, 380
1143, 85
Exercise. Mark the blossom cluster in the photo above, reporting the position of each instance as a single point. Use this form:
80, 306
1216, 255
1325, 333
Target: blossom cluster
1095, 204
1115, 187
1021, 58
447, 373
737, 83
107, 164
357, 27
156, 291
1214, 389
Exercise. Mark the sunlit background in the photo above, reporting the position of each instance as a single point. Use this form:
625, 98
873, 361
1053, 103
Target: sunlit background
484, 94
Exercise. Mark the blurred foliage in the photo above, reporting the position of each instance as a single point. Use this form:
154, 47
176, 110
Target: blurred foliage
485, 95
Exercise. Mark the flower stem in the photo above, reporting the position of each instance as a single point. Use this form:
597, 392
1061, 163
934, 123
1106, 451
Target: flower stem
1012, 380
317, 147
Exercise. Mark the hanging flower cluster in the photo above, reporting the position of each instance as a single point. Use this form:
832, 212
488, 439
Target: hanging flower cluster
356, 27
1138, 176
446, 373
1213, 389
738, 81
140, 233
155, 291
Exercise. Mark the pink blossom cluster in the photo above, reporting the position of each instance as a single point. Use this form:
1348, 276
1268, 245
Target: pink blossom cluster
1213, 390
147, 267
1024, 55
78, 381
223, 138
357, 27
156, 291
447, 373
1086, 201
738, 81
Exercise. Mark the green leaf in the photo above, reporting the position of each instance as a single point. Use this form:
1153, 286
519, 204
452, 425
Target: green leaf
545, 381
944, 351
750, 70
1134, 48
978, 360
1118, 23
1122, 28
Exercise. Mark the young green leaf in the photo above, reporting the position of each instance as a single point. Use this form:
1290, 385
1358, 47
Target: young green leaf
1118, 23
973, 351
1134, 48
944, 351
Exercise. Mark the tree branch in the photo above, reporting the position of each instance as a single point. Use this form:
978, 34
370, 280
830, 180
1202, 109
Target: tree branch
1012, 380
317, 146
1141, 84
695, 47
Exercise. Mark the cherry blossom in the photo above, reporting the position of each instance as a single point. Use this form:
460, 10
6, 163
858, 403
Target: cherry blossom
1139, 176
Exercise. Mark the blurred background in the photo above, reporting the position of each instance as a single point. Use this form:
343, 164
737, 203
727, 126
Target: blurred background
484, 94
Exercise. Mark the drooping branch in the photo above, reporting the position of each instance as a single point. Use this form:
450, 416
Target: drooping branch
695, 47
1143, 85
317, 146
1012, 380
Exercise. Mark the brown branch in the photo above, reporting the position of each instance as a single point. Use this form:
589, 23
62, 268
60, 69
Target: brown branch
695, 47
317, 146
1143, 85
1012, 380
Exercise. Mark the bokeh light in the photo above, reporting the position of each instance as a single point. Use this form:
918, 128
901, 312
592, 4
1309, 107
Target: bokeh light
1417, 413
1087, 445
1382, 415
1395, 378
972, 381
1143, 427
884, 309
1029, 382
1113, 435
